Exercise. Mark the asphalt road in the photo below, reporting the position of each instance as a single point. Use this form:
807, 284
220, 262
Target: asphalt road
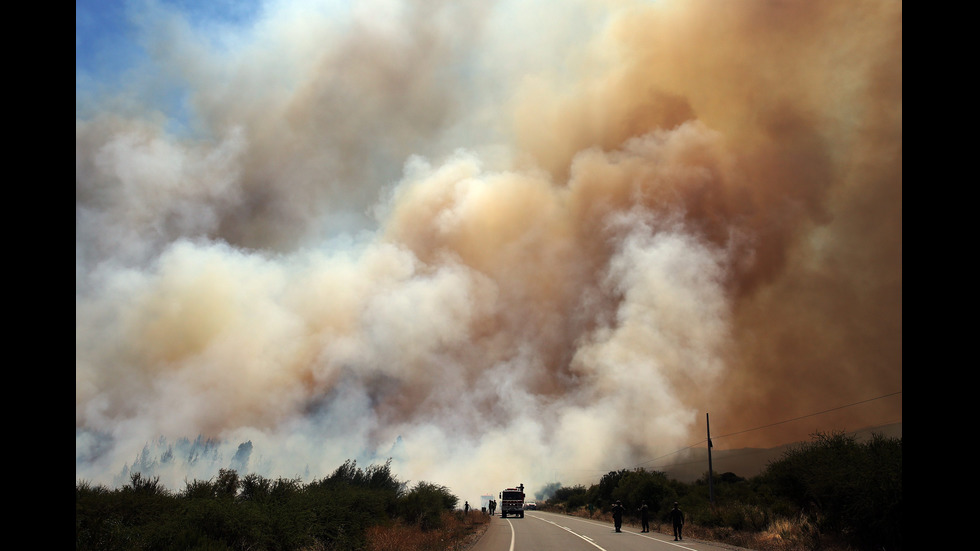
541, 531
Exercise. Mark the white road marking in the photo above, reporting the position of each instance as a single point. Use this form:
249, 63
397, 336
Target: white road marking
586, 538
592, 543
511, 534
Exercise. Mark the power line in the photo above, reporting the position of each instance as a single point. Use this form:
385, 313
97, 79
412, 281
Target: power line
771, 425
809, 415
733, 456
671, 453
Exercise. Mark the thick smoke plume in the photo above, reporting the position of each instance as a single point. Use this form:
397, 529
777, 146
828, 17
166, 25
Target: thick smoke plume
494, 242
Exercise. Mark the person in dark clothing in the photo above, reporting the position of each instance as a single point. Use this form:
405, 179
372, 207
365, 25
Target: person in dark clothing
644, 517
466, 508
677, 519
617, 513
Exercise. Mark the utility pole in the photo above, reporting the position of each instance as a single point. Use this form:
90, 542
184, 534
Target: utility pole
711, 488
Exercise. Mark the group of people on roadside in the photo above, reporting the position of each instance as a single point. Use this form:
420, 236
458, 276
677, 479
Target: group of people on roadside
676, 518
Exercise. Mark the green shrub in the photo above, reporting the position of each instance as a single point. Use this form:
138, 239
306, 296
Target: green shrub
233, 512
199, 489
424, 504
854, 489
572, 497
741, 516
255, 488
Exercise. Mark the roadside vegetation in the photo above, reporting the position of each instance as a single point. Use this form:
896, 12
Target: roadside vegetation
830, 494
362, 509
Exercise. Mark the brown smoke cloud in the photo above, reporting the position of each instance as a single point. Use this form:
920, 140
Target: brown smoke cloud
406, 236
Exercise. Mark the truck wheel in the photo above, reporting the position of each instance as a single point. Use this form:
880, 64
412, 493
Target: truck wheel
522, 514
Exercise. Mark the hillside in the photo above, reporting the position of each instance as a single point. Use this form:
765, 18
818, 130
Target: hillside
749, 462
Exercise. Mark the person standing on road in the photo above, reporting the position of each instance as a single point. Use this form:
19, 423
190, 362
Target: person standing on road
644, 517
617, 513
677, 519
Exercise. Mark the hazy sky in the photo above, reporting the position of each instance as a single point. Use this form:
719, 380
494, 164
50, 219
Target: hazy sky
497, 242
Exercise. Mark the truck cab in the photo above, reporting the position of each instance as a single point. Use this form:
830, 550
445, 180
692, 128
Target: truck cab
512, 502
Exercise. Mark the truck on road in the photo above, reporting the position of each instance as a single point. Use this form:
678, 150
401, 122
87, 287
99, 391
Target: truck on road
512, 502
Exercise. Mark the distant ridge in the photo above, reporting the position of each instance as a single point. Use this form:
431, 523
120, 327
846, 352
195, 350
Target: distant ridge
749, 462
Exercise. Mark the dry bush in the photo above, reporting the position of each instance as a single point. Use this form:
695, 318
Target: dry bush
798, 534
456, 532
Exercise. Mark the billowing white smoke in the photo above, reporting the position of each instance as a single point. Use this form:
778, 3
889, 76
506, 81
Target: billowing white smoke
326, 354
396, 237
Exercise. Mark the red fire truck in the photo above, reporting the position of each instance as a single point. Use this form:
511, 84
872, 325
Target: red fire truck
512, 502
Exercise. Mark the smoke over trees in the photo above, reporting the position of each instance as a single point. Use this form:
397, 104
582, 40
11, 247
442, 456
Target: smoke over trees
447, 232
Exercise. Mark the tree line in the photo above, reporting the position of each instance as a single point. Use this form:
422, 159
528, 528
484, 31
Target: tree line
253, 512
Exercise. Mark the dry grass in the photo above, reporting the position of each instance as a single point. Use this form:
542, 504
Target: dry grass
458, 531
